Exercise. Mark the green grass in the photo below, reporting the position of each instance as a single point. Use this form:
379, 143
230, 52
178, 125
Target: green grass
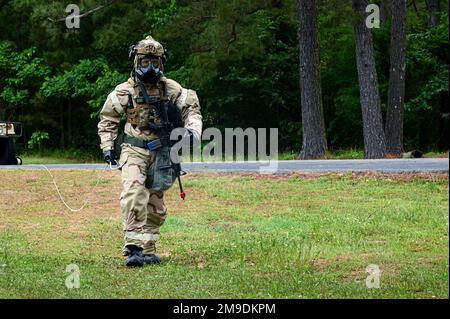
234, 237
69, 156
348, 154
436, 154
72, 158
36, 159
337, 154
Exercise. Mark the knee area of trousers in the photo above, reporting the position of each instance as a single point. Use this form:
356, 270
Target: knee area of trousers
156, 216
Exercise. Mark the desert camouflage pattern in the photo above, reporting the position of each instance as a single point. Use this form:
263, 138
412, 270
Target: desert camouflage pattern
143, 210
149, 46
116, 104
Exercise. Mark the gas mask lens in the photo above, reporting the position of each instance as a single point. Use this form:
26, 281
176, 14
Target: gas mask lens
147, 61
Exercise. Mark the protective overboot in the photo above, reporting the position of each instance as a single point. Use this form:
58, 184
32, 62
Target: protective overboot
151, 259
135, 257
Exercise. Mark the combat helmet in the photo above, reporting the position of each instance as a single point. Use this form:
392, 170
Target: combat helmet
149, 60
148, 46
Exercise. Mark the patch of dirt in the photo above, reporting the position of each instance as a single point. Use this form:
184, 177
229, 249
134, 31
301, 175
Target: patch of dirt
321, 264
441, 156
391, 156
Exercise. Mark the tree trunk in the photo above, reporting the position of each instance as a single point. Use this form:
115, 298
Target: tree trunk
314, 139
385, 11
433, 6
396, 95
374, 139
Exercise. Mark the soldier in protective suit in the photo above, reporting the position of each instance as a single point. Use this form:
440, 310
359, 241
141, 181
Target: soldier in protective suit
141, 100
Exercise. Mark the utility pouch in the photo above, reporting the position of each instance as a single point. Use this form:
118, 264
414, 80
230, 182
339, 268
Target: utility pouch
140, 116
161, 174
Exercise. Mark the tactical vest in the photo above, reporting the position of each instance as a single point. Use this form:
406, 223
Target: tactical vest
148, 116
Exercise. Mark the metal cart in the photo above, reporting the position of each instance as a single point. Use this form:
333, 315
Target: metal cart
9, 131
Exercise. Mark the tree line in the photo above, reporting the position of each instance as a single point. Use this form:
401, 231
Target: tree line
311, 68
379, 140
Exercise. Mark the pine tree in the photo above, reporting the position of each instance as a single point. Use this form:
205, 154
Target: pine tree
396, 95
374, 138
314, 140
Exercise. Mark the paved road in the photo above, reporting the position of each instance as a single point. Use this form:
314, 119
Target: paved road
382, 166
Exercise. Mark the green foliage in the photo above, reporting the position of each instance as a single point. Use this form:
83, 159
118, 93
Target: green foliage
76, 82
21, 75
240, 56
427, 52
427, 86
435, 86
37, 138
102, 87
88, 80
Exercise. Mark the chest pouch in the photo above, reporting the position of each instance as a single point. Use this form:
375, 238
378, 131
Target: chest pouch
142, 115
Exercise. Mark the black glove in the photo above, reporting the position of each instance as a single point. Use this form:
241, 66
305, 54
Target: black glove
110, 157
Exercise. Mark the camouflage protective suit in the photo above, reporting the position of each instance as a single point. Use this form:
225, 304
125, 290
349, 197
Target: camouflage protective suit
143, 210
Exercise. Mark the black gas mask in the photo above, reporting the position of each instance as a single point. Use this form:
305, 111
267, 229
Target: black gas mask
148, 69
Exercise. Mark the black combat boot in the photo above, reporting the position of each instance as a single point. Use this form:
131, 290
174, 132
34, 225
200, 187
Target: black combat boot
135, 257
151, 259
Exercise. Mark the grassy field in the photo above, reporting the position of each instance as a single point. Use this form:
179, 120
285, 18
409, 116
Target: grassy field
241, 236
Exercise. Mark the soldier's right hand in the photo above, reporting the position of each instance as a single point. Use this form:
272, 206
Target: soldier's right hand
110, 157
